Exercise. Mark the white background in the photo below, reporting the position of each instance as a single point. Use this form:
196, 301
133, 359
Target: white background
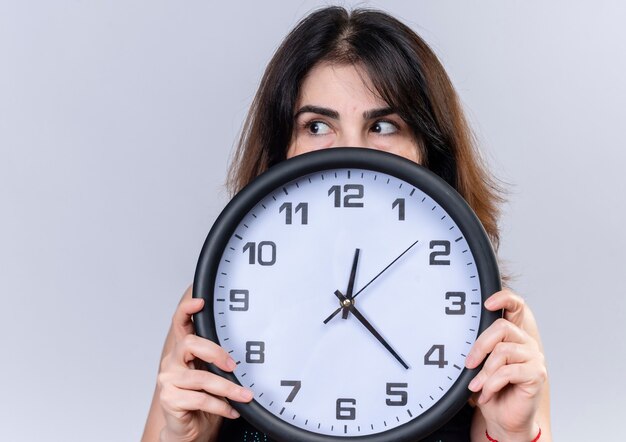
116, 123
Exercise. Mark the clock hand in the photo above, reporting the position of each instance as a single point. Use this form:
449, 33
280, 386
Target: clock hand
346, 311
333, 314
350, 289
344, 300
383, 270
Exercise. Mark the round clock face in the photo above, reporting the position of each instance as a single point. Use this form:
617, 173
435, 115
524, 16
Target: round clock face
348, 287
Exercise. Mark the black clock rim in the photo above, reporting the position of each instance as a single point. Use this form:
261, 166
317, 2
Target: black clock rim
350, 158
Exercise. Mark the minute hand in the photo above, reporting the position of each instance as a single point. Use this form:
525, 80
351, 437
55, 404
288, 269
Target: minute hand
383, 270
357, 314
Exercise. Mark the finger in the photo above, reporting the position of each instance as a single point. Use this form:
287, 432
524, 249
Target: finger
192, 346
500, 331
513, 305
518, 374
503, 354
175, 401
181, 321
212, 384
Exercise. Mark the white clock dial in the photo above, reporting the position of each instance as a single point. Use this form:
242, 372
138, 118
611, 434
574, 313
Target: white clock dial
275, 285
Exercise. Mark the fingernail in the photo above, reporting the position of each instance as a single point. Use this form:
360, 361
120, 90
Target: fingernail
489, 302
474, 384
246, 394
231, 364
469, 360
234, 414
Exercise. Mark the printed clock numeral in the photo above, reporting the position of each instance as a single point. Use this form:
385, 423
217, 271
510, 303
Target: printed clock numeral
303, 208
438, 360
264, 253
296, 385
439, 253
255, 352
358, 192
399, 203
397, 389
459, 303
239, 300
344, 411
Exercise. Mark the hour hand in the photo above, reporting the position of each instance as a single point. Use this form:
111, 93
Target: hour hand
355, 263
347, 303
343, 307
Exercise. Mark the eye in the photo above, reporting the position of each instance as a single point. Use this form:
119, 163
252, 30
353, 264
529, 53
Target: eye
318, 128
384, 128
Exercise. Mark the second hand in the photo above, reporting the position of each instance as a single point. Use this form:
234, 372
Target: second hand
333, 314
383, 270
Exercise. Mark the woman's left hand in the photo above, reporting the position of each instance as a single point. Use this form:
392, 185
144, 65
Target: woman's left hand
509, 386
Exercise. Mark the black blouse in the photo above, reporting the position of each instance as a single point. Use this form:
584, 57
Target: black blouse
457, 430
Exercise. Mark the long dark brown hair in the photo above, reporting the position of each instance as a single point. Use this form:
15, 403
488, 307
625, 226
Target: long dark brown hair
405, 73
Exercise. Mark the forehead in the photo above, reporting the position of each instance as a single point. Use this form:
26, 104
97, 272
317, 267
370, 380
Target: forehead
339, 86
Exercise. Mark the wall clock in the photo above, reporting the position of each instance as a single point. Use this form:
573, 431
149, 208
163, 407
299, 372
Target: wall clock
348, 285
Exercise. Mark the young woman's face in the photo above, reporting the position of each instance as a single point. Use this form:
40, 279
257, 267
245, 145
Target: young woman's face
337, 108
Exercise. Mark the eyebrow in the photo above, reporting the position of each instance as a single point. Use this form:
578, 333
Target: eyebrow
377, 113
330, 113
318, 110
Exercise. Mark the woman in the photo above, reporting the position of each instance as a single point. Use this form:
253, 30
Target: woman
362, 79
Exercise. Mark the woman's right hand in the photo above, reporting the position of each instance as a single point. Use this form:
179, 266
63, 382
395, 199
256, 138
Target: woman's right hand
192, 399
